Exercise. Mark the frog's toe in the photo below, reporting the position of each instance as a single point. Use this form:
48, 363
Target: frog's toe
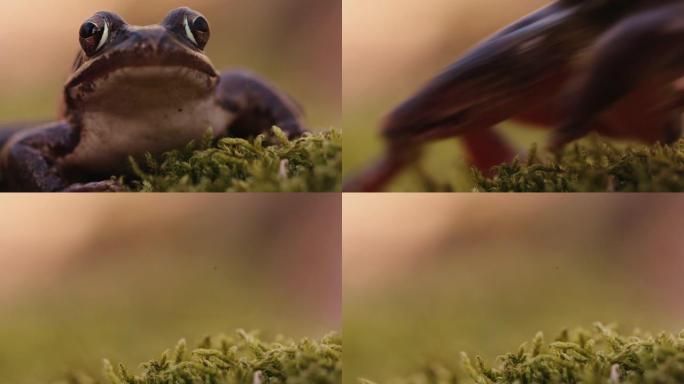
96, 186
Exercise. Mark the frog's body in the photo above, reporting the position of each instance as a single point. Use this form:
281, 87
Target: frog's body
136, 90
603, 65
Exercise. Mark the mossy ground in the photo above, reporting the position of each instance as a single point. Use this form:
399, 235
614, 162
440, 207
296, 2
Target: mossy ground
599, 355
242, 358
312, 163
593, 166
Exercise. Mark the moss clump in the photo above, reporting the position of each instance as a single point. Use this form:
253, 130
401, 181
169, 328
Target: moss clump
239, 359
600, 355
596, 166
310, 163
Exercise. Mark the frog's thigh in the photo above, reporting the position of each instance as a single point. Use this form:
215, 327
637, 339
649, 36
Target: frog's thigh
649, 114
623, 57
257, 105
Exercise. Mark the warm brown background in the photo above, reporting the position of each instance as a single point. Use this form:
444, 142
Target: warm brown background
88, 277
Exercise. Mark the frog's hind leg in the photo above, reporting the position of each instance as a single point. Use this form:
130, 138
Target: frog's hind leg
641, 47
487, 148
257, 105
463, 99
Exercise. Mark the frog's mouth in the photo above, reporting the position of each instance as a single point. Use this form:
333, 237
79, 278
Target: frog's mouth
134, 73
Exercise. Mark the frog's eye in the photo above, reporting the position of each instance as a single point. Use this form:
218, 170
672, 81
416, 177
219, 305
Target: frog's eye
93, 36
197, 30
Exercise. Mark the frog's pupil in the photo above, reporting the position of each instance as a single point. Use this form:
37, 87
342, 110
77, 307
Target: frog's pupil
88, 29
200, 24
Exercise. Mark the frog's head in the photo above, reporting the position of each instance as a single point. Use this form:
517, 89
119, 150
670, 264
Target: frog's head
151, 64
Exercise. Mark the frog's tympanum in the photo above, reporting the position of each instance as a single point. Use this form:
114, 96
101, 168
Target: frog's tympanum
137, 90
610, 66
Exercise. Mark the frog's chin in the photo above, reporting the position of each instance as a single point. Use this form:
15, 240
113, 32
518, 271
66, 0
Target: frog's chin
146, 86
121, 70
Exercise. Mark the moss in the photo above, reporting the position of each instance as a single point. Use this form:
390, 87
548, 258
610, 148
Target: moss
310, 163
599, 355
595, 166
242, 358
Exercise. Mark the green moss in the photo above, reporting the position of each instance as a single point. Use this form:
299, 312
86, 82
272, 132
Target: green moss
599, 355
242, 358
310, 163
595, 166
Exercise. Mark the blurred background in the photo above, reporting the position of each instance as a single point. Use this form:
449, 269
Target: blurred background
294, 43
393, 47
426, 277
86, 278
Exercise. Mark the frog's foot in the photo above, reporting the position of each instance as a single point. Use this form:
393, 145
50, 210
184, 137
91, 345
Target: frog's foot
96, 186
258, 106
566, 134
672, 131
376, 177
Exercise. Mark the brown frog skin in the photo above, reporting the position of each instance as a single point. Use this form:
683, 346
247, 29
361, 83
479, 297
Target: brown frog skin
136, 90
608, 66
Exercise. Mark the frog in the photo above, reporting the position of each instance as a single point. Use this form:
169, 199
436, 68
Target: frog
134, 91
572, 67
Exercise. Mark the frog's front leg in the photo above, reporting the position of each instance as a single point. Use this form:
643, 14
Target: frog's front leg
257, 106
641, 47
30, 160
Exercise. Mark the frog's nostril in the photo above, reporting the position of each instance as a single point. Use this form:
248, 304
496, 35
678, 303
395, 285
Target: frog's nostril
147, 38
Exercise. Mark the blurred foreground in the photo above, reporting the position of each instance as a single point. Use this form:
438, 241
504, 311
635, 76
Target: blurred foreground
426, 277
86, 277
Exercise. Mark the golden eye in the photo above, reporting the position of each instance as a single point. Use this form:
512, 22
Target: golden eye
93, 36
197, 30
